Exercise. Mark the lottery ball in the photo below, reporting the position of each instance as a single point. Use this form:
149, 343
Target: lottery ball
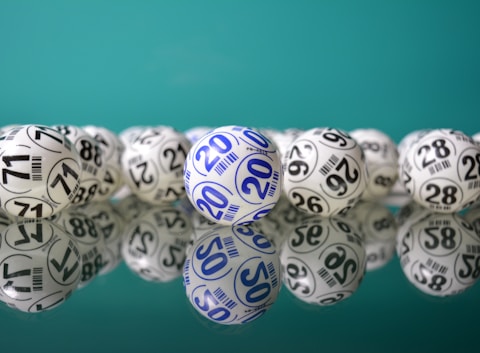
112, 148
91, 244
440, 254
153, 165
441, 171
40, 263
233, 175
232, 275
92, 163
324, 172
323, 260
381, 157
154, 245
40, 171
378, 227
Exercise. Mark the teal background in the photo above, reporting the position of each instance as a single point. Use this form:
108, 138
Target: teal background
392, 65
396, 66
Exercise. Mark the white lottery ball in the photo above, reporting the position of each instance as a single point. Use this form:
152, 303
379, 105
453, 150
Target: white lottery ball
378, 227
40, 263
40, 170
112, 148
382, 161
440, 254
232, 275
233, 175
153, 165
91, 244
324, 172
154, 244
323, 260
92, 163
442, 171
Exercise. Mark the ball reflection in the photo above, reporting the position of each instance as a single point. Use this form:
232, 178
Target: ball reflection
323, 260
232, 275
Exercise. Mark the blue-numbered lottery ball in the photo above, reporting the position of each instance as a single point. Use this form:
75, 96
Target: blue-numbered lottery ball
324, 172
40, 265
232, 274
40, 171
233, 175
441, 171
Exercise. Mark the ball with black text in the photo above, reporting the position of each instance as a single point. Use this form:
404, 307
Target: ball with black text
40, 171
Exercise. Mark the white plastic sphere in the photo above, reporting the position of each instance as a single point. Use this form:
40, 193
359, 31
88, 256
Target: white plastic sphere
92, 163
154, 244
324, 172
440, 254
40, 171
112, 148
441, 171
153, 165
232, 275
40, 263
233, 175
382, 161
323, 260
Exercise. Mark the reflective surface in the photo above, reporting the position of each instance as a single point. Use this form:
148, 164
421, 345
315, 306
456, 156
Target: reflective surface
344, 285
398, 66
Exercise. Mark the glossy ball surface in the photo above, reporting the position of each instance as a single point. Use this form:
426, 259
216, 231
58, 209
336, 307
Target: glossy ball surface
153, 164
232, 275
154, 244
92, 163
40, 265
381, 157
324, 172
233, 175
441, 171
40, 171
440, 254
323, 260
112, 149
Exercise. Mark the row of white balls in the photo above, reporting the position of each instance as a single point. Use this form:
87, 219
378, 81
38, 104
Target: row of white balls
45, 169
